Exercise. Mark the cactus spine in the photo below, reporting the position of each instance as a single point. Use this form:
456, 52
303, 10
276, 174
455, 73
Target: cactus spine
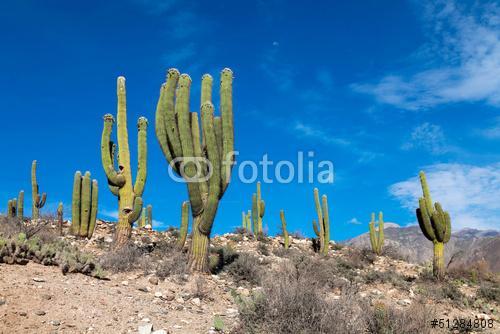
258, 210
323, 230
184, 225
178, 132
60, 218
435, 225
37, 201
286, 237
84, 205
120, 181
377, 236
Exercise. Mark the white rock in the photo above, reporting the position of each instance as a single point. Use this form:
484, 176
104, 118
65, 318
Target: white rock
160, 331
196, 301
125, 283
38, 279
158, 294
145, 329
146, 319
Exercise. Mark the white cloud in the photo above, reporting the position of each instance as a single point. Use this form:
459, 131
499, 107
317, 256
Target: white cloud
492, 132
468, 49
109, 213
354, 221
469, 193
429, 137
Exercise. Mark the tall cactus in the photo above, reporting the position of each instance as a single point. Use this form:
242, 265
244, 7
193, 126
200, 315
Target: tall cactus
120, 181
323, 230
60, 219
286, 237
146, 217
184, 225
377, 236
205, 164
11, 208
246, 221
435, 225
258, 210
20, 205
37, 201
84, 205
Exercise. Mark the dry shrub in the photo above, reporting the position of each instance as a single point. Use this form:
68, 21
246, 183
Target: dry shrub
489, 292
394, 253
245, 267
124, 259
174, 264
387, 320
474, 273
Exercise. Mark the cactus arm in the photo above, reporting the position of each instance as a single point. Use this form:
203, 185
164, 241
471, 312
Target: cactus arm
447, 234
41, 201
142, 152
426, 192
76, 203
326, 223
149, 215
136, 211
20, 205
373, 241
380, 242
424, 220
218, 135
214, 189
186, 139
439, 222
9, 208
315, 228
195, 131
170, 119
184, 225
320, 220
226, 95
160, 130
85, 205
255, 215
107, 154
93, 209
206, 88
262, 208
243, 220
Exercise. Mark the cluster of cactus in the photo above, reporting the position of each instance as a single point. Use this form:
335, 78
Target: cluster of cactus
15, 206
246, 221
83, 205
377, 236
21, 250
146, 217
205, 164
286, 237
258, 210
120, 181
184, 225
322, 227
38, 201
435, 225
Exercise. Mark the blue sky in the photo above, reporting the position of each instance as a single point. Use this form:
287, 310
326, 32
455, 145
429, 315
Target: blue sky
382, 89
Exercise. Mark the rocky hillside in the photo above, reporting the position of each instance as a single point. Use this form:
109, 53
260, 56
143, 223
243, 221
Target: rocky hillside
466, 247
257, 287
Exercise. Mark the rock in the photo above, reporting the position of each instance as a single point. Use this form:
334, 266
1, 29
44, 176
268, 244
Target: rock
158, 294
180, 300
196, 302
144, 289
55, 323
231, 312
46, 297
40, 312
177, 326
160, 331
23, 314
169, 296
153, 280
145, 329
404, 302
108, 240
125, 283
38, 279
483, 316
146, 320
2, 301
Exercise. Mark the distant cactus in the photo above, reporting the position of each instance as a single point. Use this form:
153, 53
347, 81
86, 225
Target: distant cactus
246, 221
20, 205
37, 201
435, 225
178, 132
258, 210
377, 236
323, 231
120, 181
11, 208
146, 217
184, 225
84, 205
15, 207
60, 219
286, 237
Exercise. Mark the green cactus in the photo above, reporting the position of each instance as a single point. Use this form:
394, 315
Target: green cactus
258, 210
20, 205
323, 231
37, 201
184, 225
286, 237
377, 236
246, 221
60, 219
178, 132
84, 205
435, 225
146, 217
120, 181
11, 209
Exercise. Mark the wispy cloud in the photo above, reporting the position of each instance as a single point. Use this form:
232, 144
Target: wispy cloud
467, 45
109, 213
354, 221
469, 193
428, 137
179, 55
492, 132
281, 73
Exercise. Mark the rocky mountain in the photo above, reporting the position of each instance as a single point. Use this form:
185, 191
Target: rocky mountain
466, 247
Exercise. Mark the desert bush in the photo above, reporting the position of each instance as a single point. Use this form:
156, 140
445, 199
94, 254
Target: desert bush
123, 259
174, 264
263, 249
394, 253
174, 231
473, 274
387, 320
489, 292
245, 267
297, 235
391, 277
